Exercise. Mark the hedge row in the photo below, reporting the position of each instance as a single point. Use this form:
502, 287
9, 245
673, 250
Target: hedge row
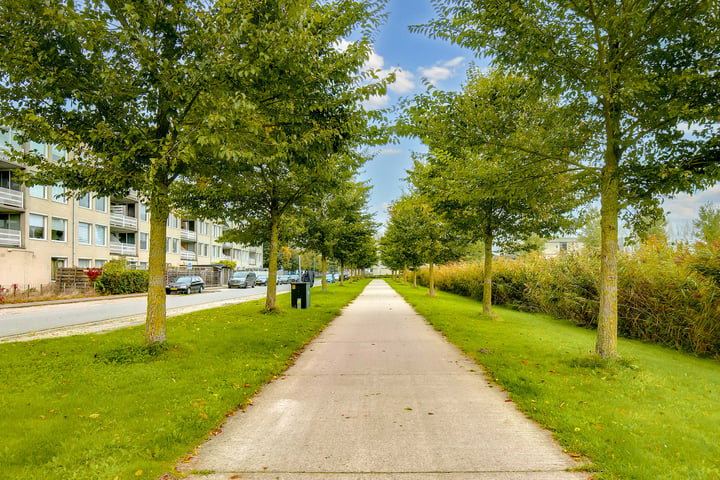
124, 282
668, 295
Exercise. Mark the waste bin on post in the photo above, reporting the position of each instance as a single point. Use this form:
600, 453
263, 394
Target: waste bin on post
300, 294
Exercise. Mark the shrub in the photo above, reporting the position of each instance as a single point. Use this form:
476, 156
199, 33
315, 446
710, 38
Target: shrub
118, 281
666, 294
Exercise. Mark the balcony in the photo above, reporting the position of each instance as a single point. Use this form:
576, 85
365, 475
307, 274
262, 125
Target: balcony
125, 249
11, 198
188, 255
188, 235
10, 238
120, 220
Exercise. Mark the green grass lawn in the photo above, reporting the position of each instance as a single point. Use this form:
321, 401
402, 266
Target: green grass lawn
655, 414
103, 407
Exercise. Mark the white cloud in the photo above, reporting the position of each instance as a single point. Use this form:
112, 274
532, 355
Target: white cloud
455, 62
390, 151
404, 80
376, 102
441, 71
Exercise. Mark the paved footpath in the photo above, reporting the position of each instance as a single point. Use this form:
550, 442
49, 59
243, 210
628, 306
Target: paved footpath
380, 395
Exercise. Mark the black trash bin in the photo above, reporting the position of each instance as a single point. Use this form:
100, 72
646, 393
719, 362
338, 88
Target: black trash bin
300, 294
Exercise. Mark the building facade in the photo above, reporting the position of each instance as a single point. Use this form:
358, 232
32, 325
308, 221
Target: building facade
41, 230
559, 246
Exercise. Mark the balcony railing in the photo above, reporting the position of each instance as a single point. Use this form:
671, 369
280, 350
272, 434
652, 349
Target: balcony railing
10, 238
187, 255
13, 198
188, 235
119, 248
120, 220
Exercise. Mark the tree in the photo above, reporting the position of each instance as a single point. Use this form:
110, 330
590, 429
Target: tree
495, 194
123, 87
331, 218
643, 70
707, 224
301, 133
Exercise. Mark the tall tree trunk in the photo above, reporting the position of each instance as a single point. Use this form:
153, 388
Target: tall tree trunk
323, 268
342, 274
156, 309
415, 277
606, 346
271, 297
487, 276
431, 273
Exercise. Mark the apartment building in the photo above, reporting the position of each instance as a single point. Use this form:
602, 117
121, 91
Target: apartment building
41, 230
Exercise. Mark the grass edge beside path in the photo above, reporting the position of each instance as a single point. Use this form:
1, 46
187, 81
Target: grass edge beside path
103, 406
653, 414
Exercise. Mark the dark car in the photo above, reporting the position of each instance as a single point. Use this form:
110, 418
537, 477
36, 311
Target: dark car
242, 280
261, 279
185, 285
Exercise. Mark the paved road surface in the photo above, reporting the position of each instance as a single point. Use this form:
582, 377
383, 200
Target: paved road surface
381, 395
27, 319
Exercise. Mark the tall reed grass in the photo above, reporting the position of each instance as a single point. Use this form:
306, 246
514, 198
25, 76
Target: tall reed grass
666, 294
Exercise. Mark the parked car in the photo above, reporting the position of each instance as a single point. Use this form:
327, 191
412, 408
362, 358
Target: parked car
261, 279
185, 285
242, 280
330, 278
283, 279
294, 277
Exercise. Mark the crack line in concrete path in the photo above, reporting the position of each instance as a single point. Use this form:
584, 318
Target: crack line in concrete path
380, 394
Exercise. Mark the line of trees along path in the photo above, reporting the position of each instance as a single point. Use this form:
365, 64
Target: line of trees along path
157, 97
642, 76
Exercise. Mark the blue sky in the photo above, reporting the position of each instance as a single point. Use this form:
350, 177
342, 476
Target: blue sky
414, 57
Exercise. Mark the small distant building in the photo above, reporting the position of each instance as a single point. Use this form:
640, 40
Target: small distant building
380, 270
558, 246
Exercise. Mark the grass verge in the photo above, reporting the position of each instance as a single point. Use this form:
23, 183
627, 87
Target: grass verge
653, 414
107, 407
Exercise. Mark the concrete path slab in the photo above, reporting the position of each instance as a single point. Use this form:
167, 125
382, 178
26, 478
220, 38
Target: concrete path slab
381, 395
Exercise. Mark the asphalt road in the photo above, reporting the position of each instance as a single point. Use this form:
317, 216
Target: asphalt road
26, 319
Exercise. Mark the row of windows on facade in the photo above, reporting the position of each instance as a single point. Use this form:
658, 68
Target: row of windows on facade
57, 194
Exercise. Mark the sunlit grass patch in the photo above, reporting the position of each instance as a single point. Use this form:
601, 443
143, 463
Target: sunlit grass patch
651, 414
107, 406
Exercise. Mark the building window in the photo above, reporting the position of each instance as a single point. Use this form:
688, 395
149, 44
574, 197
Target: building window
143, 265
251, 258
99, 262
56, 154
58, 229
143, 241
37, 191
175, 245
175, 222
127, 238
7, 180
58, 193
101, 204
563, 246
84, 233
38, 149
143, 212
100, 235
84, 262
84, 201
10, 221
37, 226
9, 137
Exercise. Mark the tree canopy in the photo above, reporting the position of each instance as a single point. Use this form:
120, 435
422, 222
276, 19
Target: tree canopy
645, 72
